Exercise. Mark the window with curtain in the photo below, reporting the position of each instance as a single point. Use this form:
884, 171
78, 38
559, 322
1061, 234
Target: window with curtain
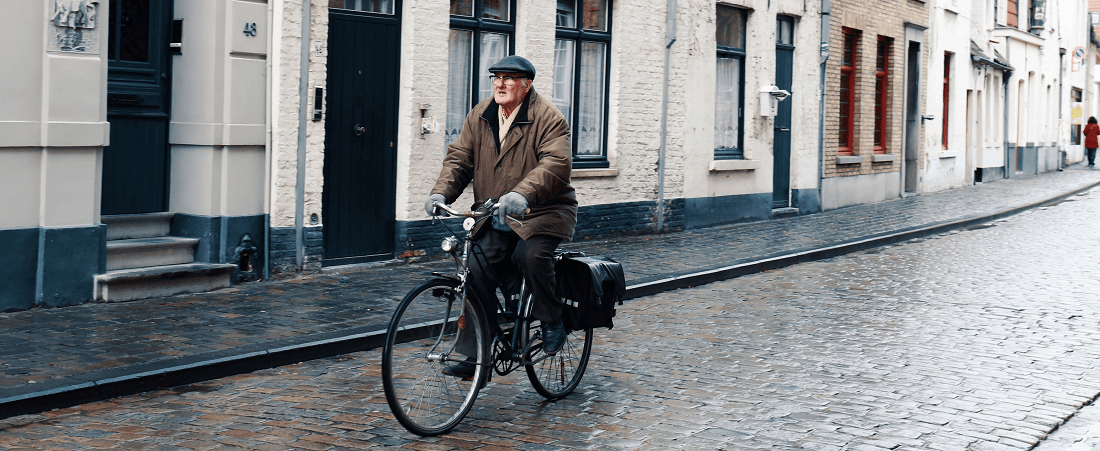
846, 143
946, 96
1077, 118
481, 35
729, 99
581, 60
882, 93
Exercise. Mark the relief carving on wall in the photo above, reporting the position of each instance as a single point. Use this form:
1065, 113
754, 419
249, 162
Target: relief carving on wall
73, 27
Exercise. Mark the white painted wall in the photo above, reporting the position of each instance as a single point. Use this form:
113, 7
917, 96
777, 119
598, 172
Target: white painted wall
52, 125
950, 32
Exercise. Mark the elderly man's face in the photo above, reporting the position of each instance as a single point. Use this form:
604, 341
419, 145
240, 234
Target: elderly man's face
509, 94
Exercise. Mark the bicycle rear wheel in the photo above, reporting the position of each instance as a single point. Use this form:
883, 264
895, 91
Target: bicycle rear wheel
558, 375
423, 338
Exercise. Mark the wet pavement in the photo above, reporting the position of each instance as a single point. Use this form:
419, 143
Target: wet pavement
980, 338
94, 351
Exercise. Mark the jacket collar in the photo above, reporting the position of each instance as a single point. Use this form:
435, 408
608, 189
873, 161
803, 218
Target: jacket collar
491, 114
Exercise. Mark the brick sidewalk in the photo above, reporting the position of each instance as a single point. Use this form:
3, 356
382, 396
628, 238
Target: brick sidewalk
56, 357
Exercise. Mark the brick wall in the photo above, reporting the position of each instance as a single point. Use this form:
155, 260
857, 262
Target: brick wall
870, 19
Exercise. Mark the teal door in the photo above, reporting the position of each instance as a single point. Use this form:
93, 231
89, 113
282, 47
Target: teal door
135, 165
781, 145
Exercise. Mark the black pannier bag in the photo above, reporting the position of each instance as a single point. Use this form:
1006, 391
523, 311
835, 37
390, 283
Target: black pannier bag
589, 288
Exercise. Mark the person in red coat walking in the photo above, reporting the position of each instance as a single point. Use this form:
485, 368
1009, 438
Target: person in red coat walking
1091, 132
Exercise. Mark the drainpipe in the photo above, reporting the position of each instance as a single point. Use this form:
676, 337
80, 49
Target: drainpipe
826, 15
670, 38
303, 117
1008, 101
267, 148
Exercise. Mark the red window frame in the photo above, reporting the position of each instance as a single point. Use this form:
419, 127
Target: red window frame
882, 78
846, 143
946, 95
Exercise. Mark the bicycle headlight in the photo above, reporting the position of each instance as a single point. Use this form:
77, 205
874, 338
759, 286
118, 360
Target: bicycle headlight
449, 244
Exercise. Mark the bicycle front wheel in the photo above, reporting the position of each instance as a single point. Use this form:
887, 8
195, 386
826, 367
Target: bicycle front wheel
558, 375
435, 326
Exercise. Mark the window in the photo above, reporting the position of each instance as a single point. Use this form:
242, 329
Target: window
581, 61
481, 34
729, 99
1012, 20
848, 92
1076, 117
370, 6
882, 93
946, 96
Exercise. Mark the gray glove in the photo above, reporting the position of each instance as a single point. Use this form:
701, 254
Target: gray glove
511, 204
429, 204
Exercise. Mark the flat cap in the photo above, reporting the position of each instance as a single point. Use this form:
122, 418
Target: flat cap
515, 64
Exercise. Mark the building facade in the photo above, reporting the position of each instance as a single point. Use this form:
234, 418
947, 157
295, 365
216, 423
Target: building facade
669, 127
874, 101
133, 148
163, 147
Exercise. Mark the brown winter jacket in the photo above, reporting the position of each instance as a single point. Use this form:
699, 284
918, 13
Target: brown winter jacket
535, 162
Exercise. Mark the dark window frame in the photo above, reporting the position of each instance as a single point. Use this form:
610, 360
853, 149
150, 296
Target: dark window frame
846, 143
478, 25
739, 54
579, 35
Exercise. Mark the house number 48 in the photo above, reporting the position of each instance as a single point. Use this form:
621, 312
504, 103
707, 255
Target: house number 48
250, 28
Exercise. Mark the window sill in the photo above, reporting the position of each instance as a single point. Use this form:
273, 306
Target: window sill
948, 154
593, 173
882, 157
734, 165
849, 159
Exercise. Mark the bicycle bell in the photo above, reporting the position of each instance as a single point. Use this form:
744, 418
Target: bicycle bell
468, 224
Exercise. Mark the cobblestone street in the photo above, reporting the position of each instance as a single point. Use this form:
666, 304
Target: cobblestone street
976, 339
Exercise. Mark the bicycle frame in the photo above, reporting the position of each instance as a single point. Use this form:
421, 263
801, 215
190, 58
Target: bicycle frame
512, 350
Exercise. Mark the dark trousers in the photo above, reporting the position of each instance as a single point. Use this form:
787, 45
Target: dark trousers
498, 261
1091, 154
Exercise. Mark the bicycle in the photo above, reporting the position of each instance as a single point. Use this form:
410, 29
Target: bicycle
422, 337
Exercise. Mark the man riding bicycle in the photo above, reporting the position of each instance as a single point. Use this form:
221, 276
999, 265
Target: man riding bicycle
515, 147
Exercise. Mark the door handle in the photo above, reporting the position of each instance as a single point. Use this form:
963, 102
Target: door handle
359, 130
782, 129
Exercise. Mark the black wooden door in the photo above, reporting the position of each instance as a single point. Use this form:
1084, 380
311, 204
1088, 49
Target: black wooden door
781, 170
135, 165
358, 201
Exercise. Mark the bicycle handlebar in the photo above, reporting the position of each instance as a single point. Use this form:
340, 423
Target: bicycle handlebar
468, 214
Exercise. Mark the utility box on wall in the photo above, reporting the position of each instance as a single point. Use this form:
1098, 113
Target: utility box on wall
770, 96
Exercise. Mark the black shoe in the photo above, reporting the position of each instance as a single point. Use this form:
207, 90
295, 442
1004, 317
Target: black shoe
464, 369
553, 338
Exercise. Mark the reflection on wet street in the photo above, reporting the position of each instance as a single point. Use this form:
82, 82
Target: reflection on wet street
984, 338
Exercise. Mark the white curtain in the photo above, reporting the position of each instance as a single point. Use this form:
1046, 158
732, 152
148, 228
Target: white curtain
590, 104
563, 77
727, 93
494, 47
458, 83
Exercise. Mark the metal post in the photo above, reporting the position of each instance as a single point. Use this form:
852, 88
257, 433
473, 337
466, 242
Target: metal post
303, 118
670, 38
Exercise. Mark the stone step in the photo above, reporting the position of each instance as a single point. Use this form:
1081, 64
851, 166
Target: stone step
142, 252
145, 225
157, 281
784, 212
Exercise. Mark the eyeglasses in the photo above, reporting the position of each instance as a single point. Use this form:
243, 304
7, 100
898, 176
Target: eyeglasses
504, 79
